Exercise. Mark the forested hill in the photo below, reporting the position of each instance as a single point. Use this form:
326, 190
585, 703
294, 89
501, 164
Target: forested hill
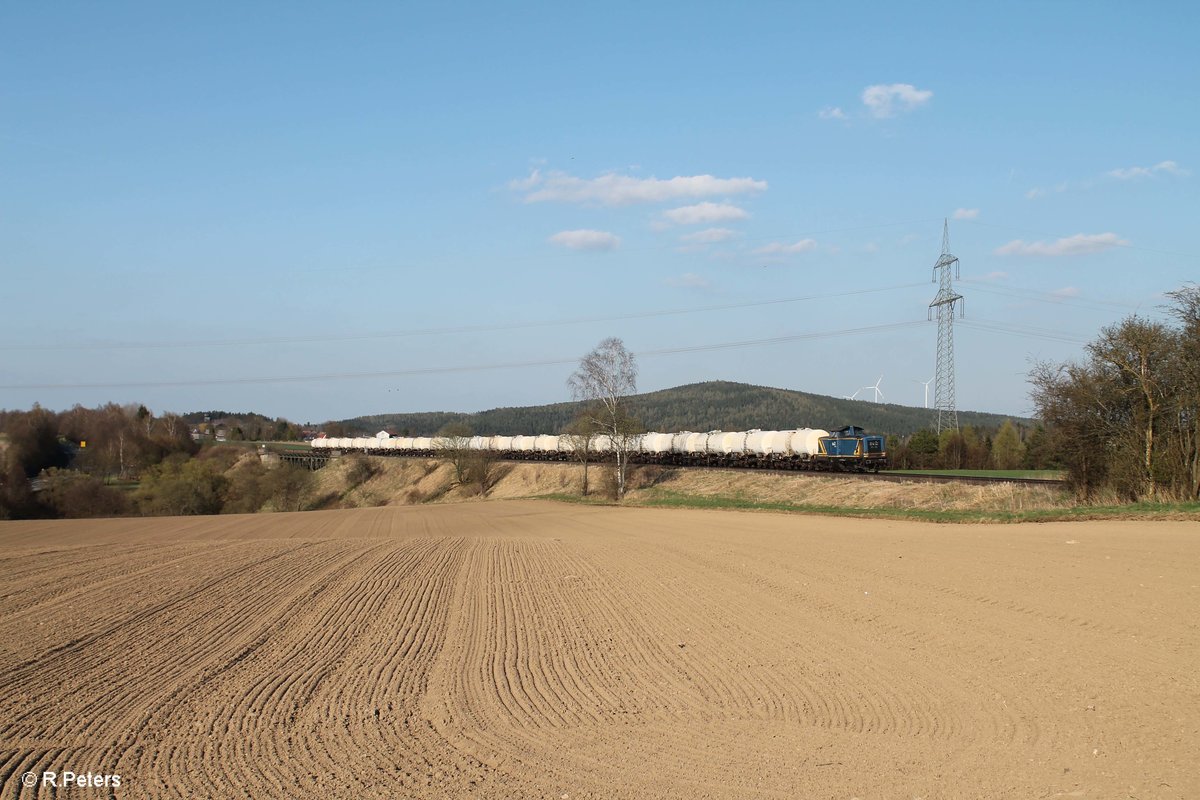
715, 405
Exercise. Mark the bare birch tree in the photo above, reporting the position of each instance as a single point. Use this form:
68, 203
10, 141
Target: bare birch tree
605, 378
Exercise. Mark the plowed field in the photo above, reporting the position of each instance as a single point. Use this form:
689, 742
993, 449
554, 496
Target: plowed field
527, 649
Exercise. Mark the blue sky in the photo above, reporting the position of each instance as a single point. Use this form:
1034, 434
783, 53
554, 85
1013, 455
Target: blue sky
198, 201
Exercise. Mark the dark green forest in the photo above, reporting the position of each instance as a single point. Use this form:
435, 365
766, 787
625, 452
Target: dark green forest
714, 405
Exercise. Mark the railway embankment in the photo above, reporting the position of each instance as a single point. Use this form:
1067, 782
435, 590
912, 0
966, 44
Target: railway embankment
368, 481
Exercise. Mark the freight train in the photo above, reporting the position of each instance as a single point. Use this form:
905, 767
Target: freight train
848, 449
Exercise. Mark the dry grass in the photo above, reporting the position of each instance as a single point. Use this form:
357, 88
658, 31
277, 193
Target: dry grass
848, 493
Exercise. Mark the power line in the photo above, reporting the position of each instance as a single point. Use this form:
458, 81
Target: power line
460, 369
1050, 297
500, 326
1023, 330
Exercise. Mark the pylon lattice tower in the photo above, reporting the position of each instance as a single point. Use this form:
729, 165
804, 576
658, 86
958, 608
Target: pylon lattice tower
945, 271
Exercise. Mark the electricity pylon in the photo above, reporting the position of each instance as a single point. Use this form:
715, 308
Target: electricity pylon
943, 394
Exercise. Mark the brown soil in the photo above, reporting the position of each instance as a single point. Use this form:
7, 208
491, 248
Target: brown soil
530, 649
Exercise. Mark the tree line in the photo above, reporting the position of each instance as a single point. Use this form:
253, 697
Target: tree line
1125, 419
712, 405
117, 460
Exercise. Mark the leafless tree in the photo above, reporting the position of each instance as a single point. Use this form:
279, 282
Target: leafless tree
582, 433
1125, 418
605, 378
1184, 409
453, 441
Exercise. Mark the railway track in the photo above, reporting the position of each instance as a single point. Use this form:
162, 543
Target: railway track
314, 461
898, 477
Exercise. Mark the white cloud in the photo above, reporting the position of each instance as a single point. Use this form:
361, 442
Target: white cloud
1065, 292
887, 100
1121, 174
779, 248
689, 280
585, 239
708, 236
998, 275
965, 213
834, 112
612, 189
1079, 244
703, 213
1132, 173
1038, 191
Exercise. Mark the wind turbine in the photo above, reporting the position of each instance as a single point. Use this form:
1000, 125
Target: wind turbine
875, 388
926, 385
855, 395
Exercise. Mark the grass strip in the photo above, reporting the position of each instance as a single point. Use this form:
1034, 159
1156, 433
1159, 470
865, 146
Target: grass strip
1033, 474
1134, 511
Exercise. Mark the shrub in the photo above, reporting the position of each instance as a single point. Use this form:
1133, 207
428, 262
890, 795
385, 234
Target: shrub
359, 470
289, 487
182, 487
74, 495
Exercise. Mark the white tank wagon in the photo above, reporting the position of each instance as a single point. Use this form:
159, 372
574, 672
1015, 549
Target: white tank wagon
552, 448
761, 447
654, 443
806, 442
734, 443
652, 448
697, 443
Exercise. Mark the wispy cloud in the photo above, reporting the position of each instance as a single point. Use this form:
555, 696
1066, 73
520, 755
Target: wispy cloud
1039, 191
781, 248
688, 280
613, 189
1119, 174
708, 236
831, 112
705, 213
1133, 173
585, 239
1077, 245
1065, 292
887, 100
965, 213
